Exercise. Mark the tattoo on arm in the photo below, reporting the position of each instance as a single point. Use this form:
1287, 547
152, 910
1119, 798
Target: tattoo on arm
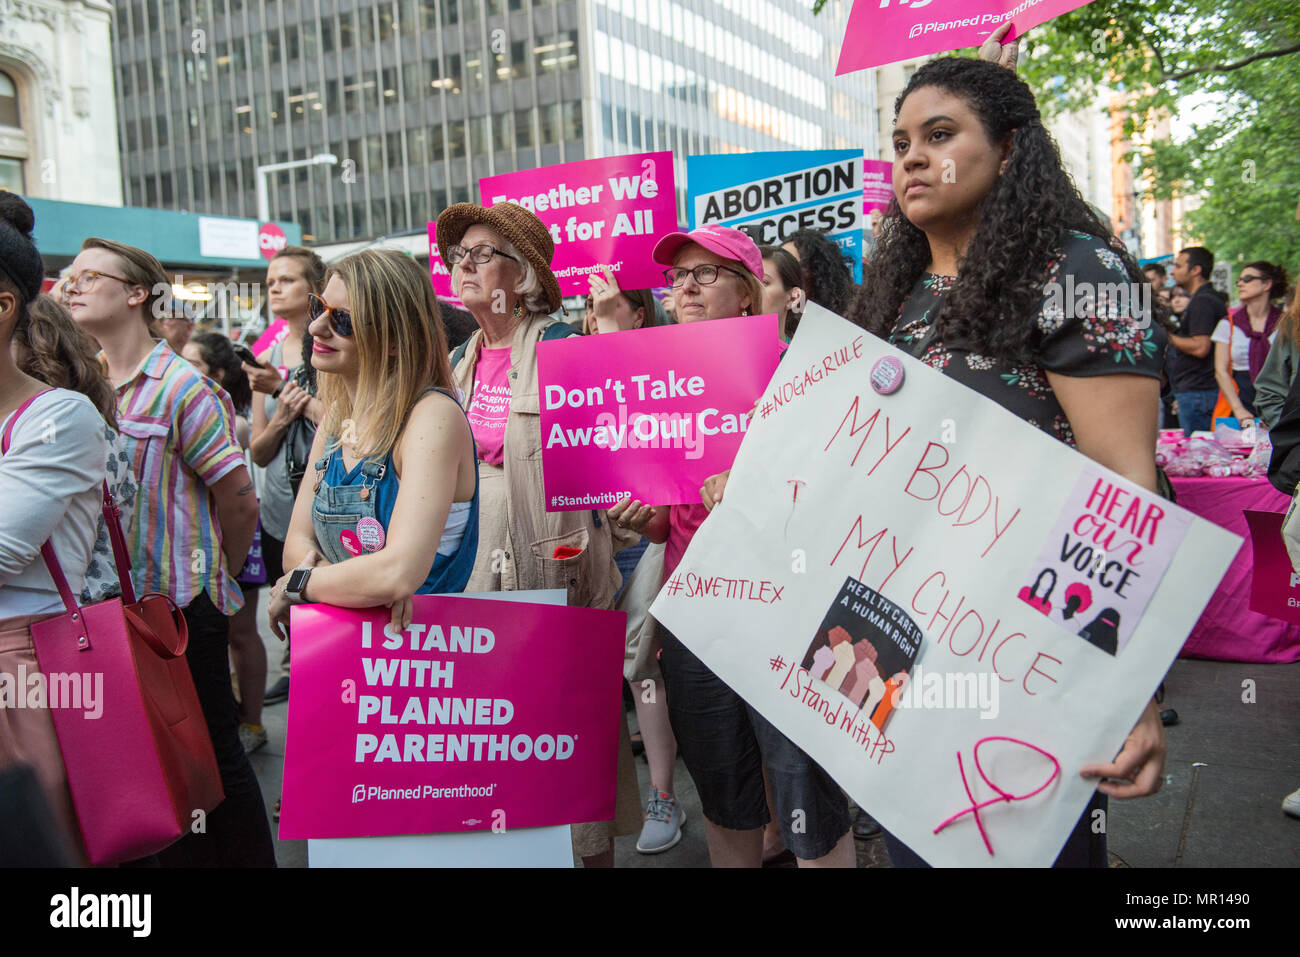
245, 490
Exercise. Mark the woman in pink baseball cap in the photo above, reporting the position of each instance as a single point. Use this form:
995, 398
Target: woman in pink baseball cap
716, 273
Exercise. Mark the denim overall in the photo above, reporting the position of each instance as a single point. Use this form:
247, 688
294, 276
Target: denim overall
369, 490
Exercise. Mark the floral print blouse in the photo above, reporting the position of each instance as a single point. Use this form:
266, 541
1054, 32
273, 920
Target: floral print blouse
1090, 321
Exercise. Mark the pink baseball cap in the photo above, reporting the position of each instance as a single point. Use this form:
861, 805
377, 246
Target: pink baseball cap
722, 240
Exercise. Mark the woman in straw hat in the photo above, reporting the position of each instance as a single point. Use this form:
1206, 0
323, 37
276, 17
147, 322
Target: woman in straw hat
500, 259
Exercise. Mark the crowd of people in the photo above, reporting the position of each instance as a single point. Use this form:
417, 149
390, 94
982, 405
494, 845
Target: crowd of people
386, 447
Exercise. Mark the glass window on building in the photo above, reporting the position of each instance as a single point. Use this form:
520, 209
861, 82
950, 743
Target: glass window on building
456, 137
131, 141
347, 32
309, 46
380, 222
374, 154
359, 220
524, 138
367, 29
519, 59
390, 84
327, 36
435, 143
503, 132
571, 120
393, 141
474, 73
451, 12
429, 15
479, 144
548, 123
412, 78
273, 47
415, 144
11, 175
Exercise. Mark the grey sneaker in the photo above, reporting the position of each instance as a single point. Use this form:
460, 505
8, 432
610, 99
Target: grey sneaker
1290, 804
663, 824
252, 739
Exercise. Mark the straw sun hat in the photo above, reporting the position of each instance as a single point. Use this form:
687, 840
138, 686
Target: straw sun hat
523, 229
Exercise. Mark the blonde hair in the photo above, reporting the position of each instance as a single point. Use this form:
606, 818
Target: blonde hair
401, 347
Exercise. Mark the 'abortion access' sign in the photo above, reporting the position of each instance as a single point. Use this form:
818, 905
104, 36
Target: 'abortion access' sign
901, 540
603, 214
648, 413
456, 723
772, 195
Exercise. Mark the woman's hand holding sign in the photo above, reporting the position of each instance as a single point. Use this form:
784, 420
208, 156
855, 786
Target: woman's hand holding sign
1138, 770
604, 297
646, 520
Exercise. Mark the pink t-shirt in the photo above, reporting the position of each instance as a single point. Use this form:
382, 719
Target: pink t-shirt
683, 522
490, 406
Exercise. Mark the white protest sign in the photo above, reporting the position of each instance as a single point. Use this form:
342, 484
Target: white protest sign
868, 584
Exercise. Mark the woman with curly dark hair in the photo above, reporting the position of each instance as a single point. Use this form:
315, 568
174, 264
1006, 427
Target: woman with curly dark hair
985, 236
827, 274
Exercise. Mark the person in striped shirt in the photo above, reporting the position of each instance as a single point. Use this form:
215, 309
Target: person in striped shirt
194, 520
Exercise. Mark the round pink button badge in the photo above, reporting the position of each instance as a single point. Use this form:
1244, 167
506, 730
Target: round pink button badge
350, 541
887, 375
371, 534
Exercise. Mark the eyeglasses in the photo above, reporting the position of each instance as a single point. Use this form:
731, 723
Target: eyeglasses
85, 280
1243, 278
340, 319
479, 254
705, 274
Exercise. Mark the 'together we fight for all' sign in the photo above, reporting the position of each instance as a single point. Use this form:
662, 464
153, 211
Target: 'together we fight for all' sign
603, 214
648, 413
457, 723
920, 532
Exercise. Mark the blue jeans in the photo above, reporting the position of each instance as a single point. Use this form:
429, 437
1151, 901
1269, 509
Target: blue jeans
1196, 409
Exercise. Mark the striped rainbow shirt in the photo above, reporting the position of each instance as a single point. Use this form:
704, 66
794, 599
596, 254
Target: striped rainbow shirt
178, 429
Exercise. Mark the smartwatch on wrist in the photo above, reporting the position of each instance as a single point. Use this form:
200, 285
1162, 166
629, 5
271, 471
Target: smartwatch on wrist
297, 585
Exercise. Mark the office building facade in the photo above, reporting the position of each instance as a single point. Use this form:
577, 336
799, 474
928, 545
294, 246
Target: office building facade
418, 99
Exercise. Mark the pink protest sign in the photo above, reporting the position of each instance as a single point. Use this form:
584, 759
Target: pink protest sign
480, 715
274, 333
1103, 558
886, 31
649, 413
439, 274
602, 214
1275, 586
877, 185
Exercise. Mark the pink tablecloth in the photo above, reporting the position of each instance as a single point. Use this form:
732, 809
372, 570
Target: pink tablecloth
1228, 630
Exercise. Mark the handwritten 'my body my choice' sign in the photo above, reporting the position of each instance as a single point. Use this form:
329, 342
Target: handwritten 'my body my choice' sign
772, 195
937, 506
602, 214
648, 413
886, 31
457, 723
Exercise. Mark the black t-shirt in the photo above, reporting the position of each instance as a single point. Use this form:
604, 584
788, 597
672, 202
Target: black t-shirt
1100, 336
1188, 373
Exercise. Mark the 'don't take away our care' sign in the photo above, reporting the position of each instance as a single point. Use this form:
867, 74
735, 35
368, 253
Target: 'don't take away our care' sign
912, 640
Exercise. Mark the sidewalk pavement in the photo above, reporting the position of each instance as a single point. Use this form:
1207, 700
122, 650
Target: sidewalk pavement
1233, 756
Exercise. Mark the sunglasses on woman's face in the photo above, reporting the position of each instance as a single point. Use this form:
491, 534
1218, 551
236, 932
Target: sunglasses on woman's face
340, 319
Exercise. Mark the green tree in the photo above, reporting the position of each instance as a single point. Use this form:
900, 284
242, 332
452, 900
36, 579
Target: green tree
1242, 59
1240, 56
